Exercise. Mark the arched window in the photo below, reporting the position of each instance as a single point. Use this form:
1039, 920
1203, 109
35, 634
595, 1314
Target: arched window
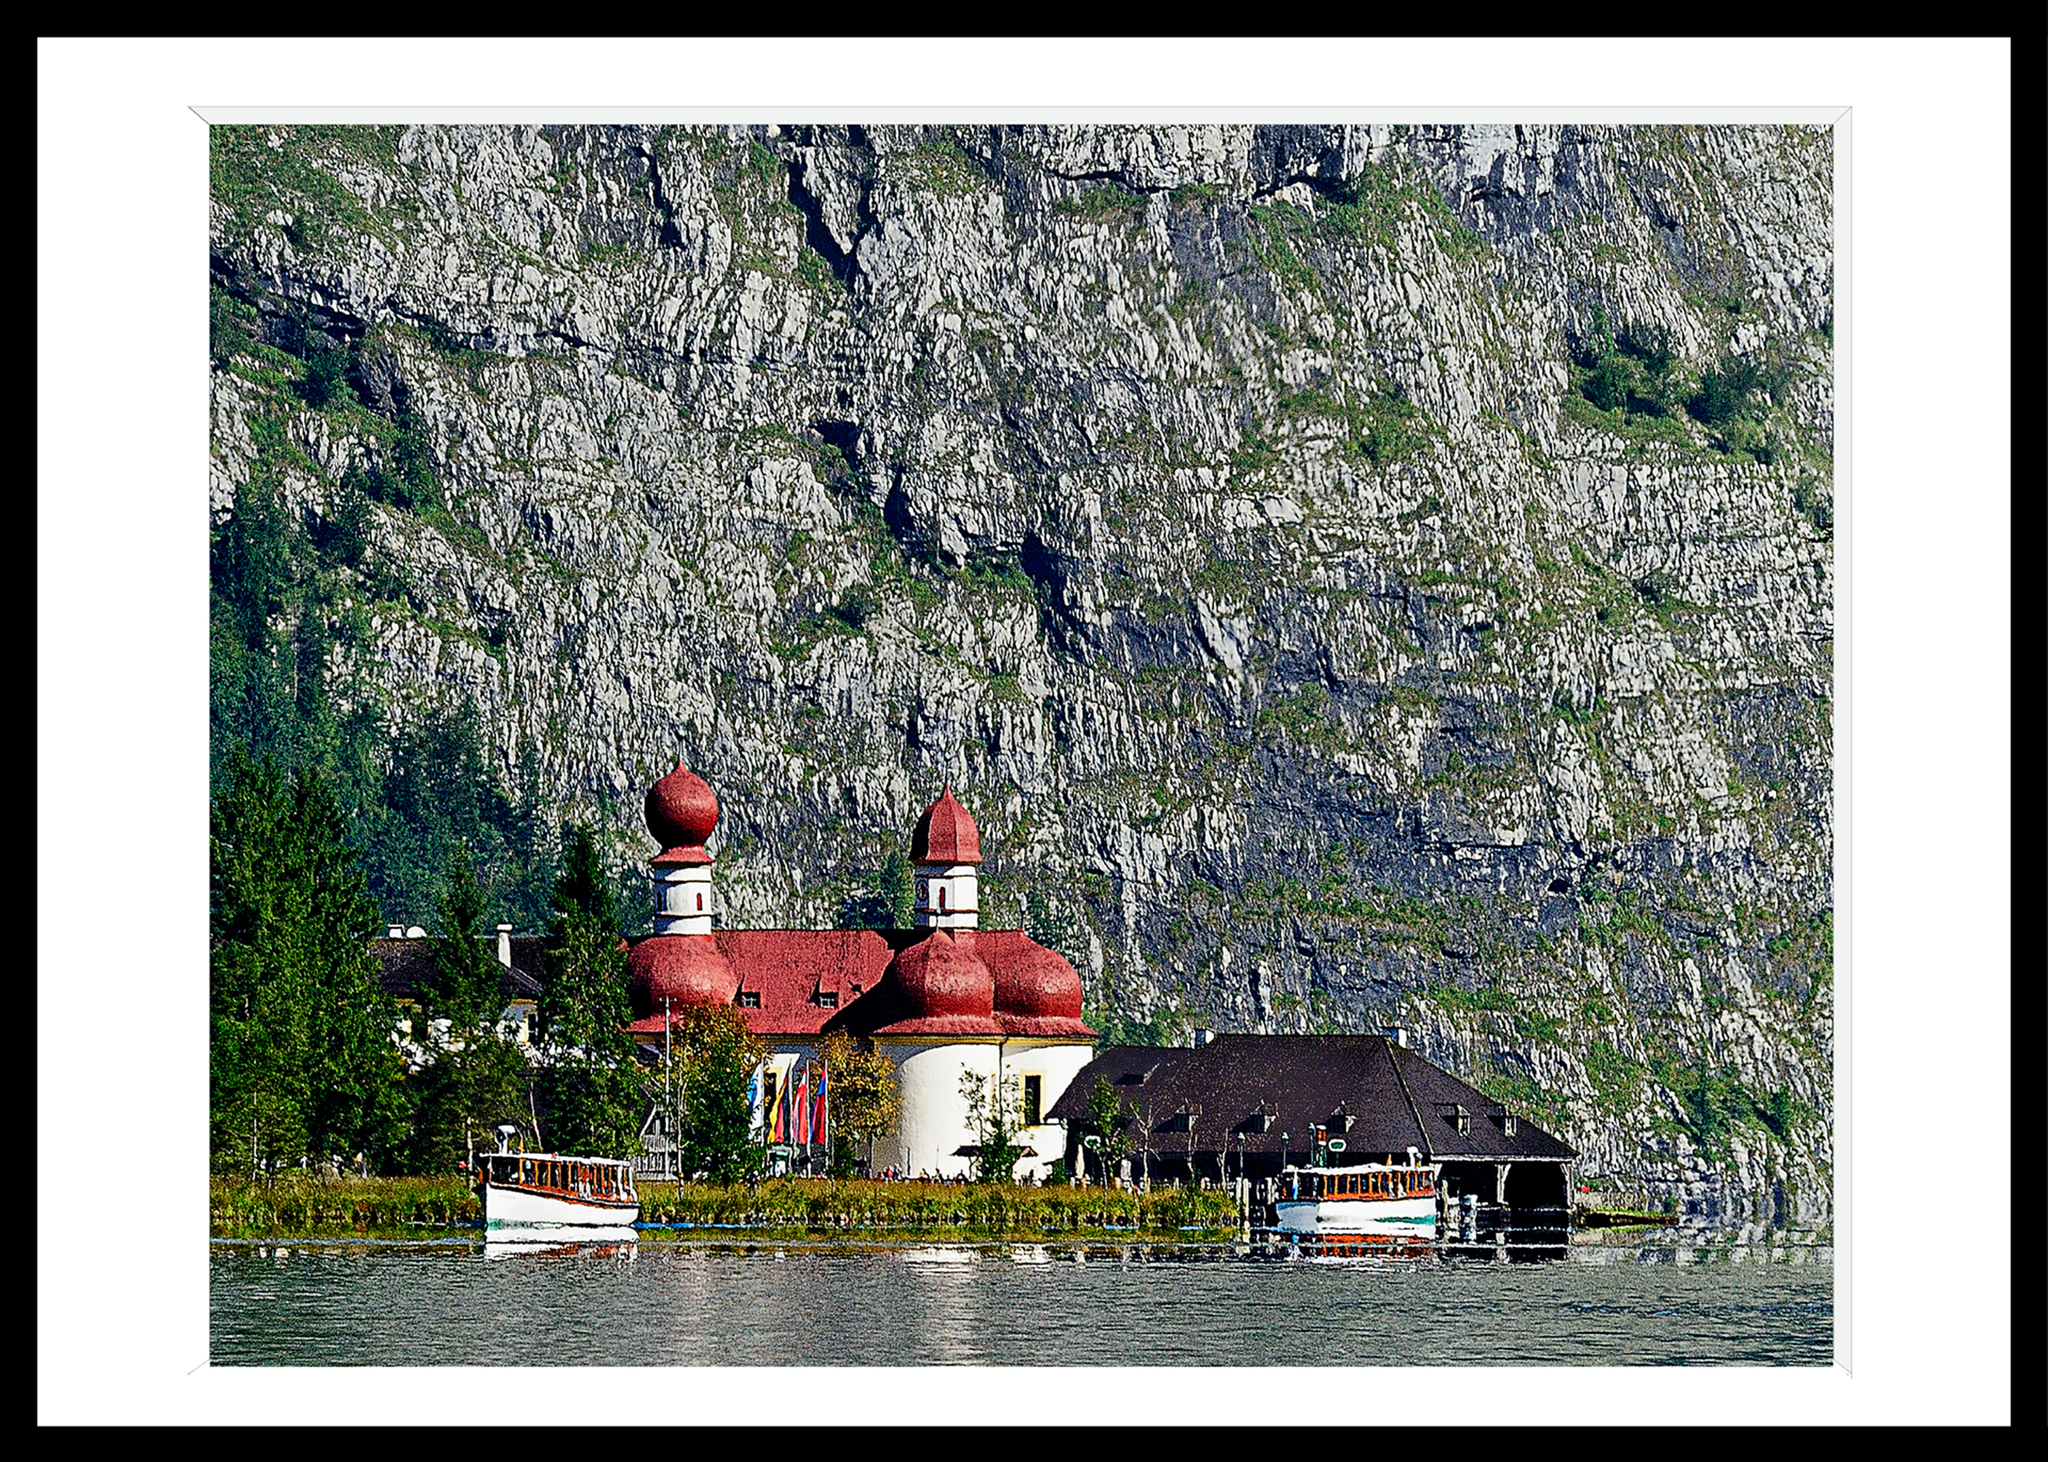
700, 903
942, 898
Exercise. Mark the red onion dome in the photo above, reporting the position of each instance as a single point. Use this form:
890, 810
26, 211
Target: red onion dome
945, 834
1037, 981
681, 812
936, 977
686, 969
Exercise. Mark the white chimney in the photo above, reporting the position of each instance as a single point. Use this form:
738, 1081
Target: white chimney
505, 945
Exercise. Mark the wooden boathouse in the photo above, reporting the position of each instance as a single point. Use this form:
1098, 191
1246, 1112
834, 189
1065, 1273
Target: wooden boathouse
1238, 1108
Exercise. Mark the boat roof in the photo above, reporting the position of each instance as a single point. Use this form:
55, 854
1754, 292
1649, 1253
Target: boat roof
1359, 1167
609, 1162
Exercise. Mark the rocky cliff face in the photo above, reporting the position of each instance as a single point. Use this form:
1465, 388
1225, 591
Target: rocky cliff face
1356, 575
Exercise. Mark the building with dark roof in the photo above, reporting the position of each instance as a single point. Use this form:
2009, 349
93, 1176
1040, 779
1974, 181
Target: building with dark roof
405, 966
1246, 1105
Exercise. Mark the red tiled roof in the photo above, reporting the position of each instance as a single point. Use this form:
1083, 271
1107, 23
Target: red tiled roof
684, 969
809, 981
788, 970
945, 834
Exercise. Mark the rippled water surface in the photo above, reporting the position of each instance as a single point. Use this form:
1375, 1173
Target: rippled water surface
452, 1303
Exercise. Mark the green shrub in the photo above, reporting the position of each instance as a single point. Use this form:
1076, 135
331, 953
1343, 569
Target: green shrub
1104, 203
1613, 1075
1726, 391
325, 378
1812, 501
229, 325
1632, 372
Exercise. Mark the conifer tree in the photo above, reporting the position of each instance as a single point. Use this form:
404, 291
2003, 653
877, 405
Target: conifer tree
301, 1053
592, 1088
473, 1076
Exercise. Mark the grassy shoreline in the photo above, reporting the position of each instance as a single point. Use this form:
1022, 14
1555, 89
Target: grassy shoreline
301, 1207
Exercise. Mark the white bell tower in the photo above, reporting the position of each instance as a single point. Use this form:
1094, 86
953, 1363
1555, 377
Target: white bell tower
946, 849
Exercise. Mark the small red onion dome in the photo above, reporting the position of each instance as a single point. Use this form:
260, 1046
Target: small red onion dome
945, 834
681, 812
1038, 982
686, 969
936, 977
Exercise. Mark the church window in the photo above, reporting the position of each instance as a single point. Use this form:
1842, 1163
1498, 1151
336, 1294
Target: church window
1034, 1100
942, 898
700, 903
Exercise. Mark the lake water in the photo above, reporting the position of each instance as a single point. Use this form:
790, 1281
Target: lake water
697, 1304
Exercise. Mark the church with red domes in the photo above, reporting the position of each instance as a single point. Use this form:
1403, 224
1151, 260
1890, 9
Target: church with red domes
941, 998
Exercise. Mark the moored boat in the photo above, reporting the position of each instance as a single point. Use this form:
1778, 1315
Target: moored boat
1369, 1200
549, 1190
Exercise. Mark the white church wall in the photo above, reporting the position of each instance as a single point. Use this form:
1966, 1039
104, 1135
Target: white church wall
934, 1123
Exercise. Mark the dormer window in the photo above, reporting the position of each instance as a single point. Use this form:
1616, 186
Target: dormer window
829, 999
748, 1000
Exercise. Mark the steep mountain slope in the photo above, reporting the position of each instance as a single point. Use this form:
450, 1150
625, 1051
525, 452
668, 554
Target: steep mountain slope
1356, 575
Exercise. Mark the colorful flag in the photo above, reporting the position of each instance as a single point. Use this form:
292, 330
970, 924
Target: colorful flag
818, 1109
803, 1107
777, 1125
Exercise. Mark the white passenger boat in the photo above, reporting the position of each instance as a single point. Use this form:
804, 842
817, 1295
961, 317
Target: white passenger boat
1377, 1201
550, 1191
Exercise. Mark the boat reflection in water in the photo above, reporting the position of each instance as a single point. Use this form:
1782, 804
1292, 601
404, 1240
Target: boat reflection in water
588, 1243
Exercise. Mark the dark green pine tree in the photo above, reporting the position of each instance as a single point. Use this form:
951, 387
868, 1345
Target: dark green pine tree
262, 1000
358, 1106
473, 1076
301, 1056
593, 1092
886, 899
